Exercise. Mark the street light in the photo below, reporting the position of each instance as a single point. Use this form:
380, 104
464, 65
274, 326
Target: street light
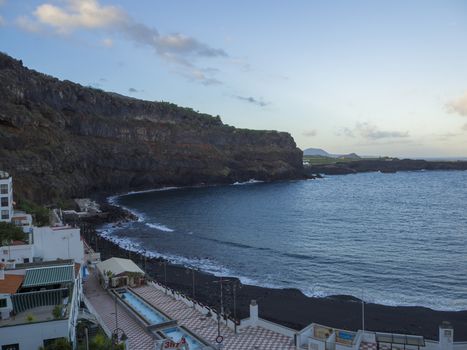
116, 339
221, 311
231, 286
164, 263
187, 271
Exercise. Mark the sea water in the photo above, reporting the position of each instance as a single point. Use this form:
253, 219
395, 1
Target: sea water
395, 239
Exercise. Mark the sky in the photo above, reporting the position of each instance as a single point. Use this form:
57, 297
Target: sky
371, 77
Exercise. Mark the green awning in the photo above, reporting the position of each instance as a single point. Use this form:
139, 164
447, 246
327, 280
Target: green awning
48, 275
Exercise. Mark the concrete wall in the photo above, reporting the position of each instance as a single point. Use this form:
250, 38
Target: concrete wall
17, 253
32, 335
5, 311
53, 243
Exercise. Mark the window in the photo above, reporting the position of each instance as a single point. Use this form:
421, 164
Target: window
10, 347
26, 260
51, 341
5, 215
4, 202
4, 189
2, 303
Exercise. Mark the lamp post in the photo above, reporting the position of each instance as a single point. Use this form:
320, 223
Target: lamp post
363, 314
116, 339
164, 263
192, 281
221, 308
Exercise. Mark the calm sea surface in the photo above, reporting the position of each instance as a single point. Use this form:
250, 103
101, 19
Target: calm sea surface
400, 239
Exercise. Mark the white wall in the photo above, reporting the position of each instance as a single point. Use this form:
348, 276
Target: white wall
9, 195
5, 311
32, 335
17, 253
51, 243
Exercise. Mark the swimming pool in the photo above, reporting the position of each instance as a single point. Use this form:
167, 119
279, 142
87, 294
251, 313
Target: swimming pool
176, 333
149, 313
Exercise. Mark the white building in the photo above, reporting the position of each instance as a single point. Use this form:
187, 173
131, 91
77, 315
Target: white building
60, 242
23, 220
39, 304
47, 244
6, 197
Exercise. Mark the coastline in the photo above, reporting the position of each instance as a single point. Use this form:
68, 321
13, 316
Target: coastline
289, 307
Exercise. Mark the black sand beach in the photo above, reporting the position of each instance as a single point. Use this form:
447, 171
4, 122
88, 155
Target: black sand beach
289, 307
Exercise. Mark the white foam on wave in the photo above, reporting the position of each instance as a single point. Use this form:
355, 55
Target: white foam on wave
113, 200
249, 182
203, 264
159, 227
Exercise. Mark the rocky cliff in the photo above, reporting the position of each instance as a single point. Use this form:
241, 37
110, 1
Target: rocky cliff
60, 139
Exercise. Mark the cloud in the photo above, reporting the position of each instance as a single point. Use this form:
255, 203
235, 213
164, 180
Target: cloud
346, 132
107, 42
28, 25
458, 105
2, 21
79, 14
447, 136
177, 49
310, 133
2, 2
464, 127
371, 132
252, 100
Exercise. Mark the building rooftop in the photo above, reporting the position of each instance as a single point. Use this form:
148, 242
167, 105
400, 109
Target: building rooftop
48, 276
118, 266
44, 264
4, 175
10, 284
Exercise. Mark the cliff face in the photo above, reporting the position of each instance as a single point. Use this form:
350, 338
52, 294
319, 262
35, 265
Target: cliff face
59, 140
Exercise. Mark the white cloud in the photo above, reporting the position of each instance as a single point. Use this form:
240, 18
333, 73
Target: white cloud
78, 14
107, 42
310, 133
372, 132
458, 105
253, 100
28, 25
464, 127
73, 15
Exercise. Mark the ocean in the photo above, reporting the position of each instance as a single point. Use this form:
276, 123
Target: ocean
393, 239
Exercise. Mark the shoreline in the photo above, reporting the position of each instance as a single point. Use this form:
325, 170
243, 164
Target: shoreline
299, 310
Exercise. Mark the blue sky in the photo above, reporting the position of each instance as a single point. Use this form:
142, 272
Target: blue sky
372, 77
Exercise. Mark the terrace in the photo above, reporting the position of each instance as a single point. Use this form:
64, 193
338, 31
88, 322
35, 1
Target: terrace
191, 323
41, 294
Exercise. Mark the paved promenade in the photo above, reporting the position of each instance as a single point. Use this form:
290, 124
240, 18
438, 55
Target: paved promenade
104, 305
254, 338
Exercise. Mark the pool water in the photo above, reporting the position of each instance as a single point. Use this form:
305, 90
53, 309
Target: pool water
177, 333
149, 313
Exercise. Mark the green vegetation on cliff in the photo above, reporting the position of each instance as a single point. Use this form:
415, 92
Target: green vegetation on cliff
61, 140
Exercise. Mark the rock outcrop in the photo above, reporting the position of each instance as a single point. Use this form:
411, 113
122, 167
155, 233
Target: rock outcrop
382, 165
60, 140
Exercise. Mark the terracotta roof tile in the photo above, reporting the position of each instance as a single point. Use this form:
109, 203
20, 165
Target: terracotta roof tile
11, 284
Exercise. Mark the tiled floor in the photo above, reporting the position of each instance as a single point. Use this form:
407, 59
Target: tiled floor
256, 338
103, 303
367, 346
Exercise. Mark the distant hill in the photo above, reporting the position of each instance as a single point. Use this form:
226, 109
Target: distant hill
318, 152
